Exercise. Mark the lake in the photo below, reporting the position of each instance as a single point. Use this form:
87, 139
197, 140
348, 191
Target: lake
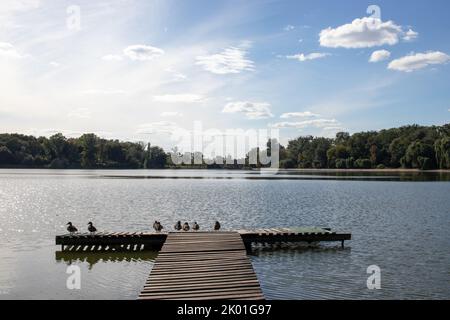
399, 222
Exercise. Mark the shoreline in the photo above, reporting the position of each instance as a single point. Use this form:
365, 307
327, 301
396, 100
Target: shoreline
387, 170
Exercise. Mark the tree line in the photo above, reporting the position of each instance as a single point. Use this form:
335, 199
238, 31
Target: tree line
416, 147
86, 152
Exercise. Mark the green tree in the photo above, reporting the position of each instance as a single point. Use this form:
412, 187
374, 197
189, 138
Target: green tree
416, 150
363, 163
341, 164
6, 156
89, 150
442, 151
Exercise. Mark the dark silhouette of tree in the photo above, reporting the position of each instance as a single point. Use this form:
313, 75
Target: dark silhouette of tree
88, 146
409, 147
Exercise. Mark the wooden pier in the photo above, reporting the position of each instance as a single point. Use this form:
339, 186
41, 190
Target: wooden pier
111, 241
197, 265
202, 266
138, 241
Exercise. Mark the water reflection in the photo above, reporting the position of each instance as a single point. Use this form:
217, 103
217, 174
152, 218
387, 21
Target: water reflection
92, 258
289, 175
293, 249
385, 218
281, 174
305, 272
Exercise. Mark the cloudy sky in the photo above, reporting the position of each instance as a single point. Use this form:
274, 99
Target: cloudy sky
138, 70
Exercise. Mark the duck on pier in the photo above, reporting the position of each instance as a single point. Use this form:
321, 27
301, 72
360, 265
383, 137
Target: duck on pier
186, 226
157, 226
91, 228
178, 226
217, 226
195, 226
71, 228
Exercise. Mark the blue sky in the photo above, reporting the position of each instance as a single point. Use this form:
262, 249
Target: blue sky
139, 70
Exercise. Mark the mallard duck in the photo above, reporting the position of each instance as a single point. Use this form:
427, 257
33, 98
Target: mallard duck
91, 228
217, 226
178, 226
157, 226
195, 226
186, 226
71, 228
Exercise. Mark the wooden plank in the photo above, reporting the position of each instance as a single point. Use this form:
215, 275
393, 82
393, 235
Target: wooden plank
197, 264
181, 281
247, 273
204, 271
206, 292
202, 266
202, 285
241, 296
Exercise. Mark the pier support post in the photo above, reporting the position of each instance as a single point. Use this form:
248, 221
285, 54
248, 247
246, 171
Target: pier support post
248, 246
342, 244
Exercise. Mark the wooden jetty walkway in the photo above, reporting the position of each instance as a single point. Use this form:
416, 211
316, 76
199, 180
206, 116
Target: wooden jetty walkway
202, 266
138, 241
198, 265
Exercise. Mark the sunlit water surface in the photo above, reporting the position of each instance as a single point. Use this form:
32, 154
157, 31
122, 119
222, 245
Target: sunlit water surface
399, 223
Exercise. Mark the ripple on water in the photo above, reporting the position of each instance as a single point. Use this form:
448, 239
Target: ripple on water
399, 226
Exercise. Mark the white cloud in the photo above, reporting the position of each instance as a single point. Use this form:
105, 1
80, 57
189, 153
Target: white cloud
252, 110
176, 76
289, 27
160, 127
418, 61
230, 60
8, 50
103, 92
18, 5
179, 76
379, 55
52, 131
318, 123
171, 114
366, 32
112, 57
336, 129
311, 56
306, 114
55, 64
410, 35
179, 98
80, 113
141, 52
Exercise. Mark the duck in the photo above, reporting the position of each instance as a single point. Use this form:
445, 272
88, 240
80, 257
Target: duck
157, 226
91, 227
195, 226
186, 226
71, 228
178, 226
217, 226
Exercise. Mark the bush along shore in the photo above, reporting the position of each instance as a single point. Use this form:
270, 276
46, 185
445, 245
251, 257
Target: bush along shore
408, 147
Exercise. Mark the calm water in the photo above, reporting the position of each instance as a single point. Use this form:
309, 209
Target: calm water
399, 224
